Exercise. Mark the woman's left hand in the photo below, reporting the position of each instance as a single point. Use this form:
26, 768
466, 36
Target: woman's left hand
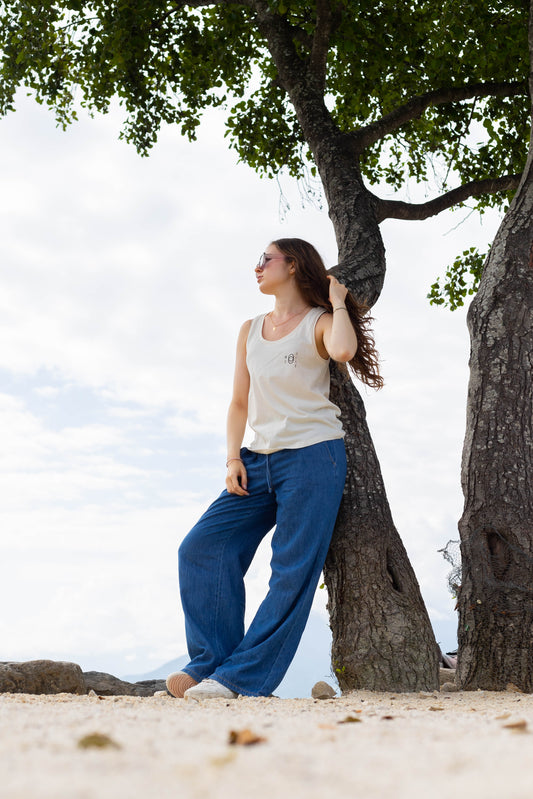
337, 291
338, 334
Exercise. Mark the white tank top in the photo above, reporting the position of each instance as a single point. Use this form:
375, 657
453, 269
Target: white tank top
288, 403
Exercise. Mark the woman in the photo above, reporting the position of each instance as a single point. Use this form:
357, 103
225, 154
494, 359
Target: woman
291, 477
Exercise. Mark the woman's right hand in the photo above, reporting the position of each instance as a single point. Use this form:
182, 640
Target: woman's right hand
237, 478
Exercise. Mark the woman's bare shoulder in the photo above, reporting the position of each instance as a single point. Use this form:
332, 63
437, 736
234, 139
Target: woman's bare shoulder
243, 332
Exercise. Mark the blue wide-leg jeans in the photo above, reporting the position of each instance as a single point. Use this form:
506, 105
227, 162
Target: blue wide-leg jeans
297, 490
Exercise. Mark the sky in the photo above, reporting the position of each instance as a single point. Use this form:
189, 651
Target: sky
124, 281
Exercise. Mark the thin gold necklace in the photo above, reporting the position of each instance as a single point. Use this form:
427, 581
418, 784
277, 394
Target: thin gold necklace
280, 324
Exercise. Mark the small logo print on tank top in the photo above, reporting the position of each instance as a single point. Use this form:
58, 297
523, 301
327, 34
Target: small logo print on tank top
291, 359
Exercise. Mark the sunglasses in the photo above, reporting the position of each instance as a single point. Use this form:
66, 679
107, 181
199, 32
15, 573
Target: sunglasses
264, 259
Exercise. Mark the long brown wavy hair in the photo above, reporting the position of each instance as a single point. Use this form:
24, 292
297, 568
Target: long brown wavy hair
311, 277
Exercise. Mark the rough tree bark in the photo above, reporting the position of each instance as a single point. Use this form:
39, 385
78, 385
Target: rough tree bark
496, 595
382, 636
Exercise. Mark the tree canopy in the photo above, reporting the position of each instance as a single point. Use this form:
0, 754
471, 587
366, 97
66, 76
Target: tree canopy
417, 81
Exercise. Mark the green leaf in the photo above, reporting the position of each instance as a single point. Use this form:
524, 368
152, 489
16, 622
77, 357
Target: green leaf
462, 278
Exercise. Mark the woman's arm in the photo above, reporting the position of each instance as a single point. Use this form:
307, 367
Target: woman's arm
236, 479
335, 331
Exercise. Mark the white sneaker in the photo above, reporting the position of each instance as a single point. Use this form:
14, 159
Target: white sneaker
209, 689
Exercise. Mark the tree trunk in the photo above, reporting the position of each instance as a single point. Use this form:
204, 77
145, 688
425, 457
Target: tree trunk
496, 595
382, 636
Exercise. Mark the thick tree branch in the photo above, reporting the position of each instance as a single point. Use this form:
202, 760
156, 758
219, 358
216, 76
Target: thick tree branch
415, 107
320, 46
395, 209
295, 76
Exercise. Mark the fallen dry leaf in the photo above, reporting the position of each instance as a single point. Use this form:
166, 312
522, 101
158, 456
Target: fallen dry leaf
350, 720
97, 740
517, 726
244, 737
388, 718
434, 707
512, 688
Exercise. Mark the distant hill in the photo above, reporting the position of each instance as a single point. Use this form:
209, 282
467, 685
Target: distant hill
161, 672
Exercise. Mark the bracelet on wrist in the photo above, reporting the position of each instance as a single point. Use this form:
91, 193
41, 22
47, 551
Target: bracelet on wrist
233, 459
340, 308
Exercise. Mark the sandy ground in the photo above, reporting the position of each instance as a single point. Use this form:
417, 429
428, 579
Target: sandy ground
403, 745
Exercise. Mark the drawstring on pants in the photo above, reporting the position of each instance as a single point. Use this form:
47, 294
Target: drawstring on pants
269, 481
